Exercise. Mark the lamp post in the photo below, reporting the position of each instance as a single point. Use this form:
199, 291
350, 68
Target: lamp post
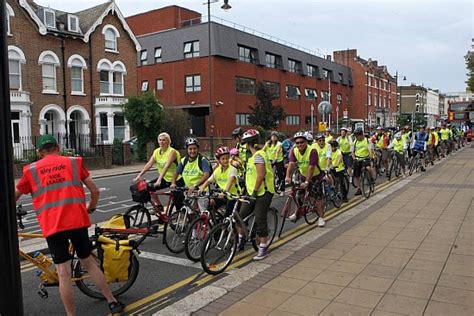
225, 7
368, 101
312, 118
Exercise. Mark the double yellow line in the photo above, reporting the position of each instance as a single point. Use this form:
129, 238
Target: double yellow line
145, 304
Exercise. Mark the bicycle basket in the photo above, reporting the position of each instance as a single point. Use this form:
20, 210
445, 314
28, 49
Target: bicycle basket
139, 192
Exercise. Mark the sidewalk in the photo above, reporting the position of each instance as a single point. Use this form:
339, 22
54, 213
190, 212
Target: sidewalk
410, 251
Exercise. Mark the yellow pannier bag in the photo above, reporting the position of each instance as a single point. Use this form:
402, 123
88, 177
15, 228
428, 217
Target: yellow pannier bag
117, 221
115, 257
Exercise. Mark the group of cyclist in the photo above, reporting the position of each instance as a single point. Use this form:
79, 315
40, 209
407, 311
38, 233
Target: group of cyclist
261, 169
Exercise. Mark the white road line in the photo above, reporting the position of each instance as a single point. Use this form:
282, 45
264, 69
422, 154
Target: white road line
170, 259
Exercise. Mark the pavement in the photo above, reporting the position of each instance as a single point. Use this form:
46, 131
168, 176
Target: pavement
408, 250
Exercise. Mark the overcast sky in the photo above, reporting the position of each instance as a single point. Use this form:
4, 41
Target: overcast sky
426, 41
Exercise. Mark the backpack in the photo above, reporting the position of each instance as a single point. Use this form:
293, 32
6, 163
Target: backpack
200, 158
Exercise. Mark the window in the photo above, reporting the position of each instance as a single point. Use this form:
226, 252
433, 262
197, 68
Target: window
341, 77
118, 83
104, 126
294, 66
339, 99
119, 126
10, 13
49, 61
370, 99
193, 83
242, 119
311, 71
272, 61
143, 57
191, 49
50, 18
104, 82
273, 87
15, 116
247, 54
244, 85
15, 59
292, 120
325, 74
369, 80
73, 23
111, 77
159, 84
325, 95
110, 36
293, 92
77, 64
158, 55
145, 85
307, 120
310, 94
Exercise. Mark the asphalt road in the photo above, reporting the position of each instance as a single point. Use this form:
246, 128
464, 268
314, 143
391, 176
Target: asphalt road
159, 268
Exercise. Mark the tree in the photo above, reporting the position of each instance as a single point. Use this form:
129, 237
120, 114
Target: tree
470, 68
145, 115
177, 123
265, 114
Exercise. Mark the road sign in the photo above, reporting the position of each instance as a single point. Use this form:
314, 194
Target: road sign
324, 107
345, 114
322, 126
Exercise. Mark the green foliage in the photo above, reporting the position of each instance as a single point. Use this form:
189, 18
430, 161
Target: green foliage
264, 113
406, 118
177, 123
117, 152
470, 74
145, 114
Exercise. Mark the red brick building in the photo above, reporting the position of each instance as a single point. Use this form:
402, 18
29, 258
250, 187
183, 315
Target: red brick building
174, 63
69, 73
374, 95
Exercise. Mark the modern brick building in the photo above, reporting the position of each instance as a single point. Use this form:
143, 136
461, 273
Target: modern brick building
174, 63
374, 96
70, 73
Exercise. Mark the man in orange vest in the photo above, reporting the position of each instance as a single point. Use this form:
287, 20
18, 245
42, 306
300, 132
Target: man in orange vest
59, 200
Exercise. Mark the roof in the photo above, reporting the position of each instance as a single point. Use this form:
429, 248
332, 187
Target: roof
88, 17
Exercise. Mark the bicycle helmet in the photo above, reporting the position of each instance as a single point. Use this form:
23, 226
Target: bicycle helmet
379, 128
237, 132
309, 136
234, 152
334, 143
223, 150
344, 129
358, 131
319, 136
191, 141
250, 135
432, 127
300, 135
398, 136
274, 133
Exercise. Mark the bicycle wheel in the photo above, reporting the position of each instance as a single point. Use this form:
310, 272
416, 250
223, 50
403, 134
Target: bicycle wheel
139, 216
285, 212
365, 184
311, 215
412, 166
346, 183
86, 286
336, 199
195, 236
272, 224
391, 169
175, 230
398, 168
219, 248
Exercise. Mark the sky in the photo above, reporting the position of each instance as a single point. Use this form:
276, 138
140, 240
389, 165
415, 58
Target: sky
424, 40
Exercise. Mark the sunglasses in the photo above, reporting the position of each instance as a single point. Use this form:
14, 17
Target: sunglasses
320, 140
299, 143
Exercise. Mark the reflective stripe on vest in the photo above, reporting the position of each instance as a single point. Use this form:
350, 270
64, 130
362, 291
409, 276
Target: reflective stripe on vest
444, 134
60, 203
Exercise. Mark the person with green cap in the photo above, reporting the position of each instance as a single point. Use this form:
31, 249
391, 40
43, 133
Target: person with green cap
56, 183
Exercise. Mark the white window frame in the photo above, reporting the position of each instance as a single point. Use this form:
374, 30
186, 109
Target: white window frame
193, 51
144, 86
161, 86
20, 58
10, 13
194, 87
112, 68
72, 17
242, 119
55, 63
144, 57
314, 94
158, 58
77, 61
292, 120
117, 35
45, 11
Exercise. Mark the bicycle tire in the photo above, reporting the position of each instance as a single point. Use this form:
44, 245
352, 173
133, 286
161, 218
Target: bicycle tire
139, 216
336, 199
311, 215
221, 235
346, 183
391, 169
365, 184
272, 224
412, 166
285, 213
175, 230
86, 286
193, 242
398, 168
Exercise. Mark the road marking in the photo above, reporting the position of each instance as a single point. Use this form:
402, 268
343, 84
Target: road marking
169, 259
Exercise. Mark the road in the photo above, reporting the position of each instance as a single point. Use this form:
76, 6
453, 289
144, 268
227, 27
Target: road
159, 268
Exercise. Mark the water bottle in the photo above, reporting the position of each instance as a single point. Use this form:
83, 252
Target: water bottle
47, 263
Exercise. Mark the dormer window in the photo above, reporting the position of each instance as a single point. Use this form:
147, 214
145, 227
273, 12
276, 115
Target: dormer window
111, 35
50, 18
73, 23
10, 13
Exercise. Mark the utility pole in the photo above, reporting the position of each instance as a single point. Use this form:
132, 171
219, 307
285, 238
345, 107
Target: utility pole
11, 298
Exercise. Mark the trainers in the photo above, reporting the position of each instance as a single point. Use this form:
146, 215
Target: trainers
293, 217
116, 307
358, 192
241, 244
262, 253
321, 222
282, 193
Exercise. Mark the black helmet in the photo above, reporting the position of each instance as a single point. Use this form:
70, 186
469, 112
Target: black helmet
358, 131
237, 132
334, 143
191, 141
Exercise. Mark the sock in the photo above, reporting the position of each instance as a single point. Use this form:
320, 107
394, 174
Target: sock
263, 245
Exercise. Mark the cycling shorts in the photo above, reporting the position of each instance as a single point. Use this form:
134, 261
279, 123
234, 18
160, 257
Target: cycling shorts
358, 165
58, 244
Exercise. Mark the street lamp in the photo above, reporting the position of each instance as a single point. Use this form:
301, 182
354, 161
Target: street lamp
367, 99
226, 6
399, 93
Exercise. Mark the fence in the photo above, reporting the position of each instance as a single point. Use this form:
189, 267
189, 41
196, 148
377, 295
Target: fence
24, 148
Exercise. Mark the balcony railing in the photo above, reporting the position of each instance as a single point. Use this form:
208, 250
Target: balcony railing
20, 96
108, 100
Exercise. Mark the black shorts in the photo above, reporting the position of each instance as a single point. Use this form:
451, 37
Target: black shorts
165, 184
58, 244
347, 157
358, 165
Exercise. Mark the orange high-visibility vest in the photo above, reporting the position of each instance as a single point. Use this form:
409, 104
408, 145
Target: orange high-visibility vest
58, 196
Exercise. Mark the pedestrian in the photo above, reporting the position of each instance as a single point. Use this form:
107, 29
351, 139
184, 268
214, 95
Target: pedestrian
56, 186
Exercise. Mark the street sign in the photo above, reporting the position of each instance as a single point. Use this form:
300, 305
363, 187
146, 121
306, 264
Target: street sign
322, 126
324, 107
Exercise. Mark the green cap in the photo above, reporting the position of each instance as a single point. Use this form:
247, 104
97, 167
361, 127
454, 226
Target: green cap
46, 139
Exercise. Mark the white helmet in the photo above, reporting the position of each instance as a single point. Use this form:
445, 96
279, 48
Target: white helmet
300, 135
398, 135
309, 136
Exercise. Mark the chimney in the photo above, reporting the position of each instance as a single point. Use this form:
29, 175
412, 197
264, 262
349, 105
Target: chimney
328, 57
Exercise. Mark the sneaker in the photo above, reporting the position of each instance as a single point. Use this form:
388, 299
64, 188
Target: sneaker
241, 244
358, 192
293, 217
116, 307
321, 222
262, 253
404, 176
282, 193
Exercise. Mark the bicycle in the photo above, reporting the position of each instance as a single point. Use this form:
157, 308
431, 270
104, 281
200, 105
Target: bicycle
331, 195
49, 277
395, 167
379, 165
416, 162
367, 185
301, 202
220, 244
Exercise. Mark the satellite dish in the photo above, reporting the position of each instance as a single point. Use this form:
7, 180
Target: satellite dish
324, 107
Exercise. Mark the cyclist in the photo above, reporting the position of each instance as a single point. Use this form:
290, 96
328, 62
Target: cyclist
381, 141
194, 168
435, 133
166, 159
305, 157
431, 143
328, 136
241, 145
337, 168
419, 144
260, 184
399, 146
286, 144
345, 143
325, 155
56, 185
444, 134
274, 152
362, 150
407, 138
225, 176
